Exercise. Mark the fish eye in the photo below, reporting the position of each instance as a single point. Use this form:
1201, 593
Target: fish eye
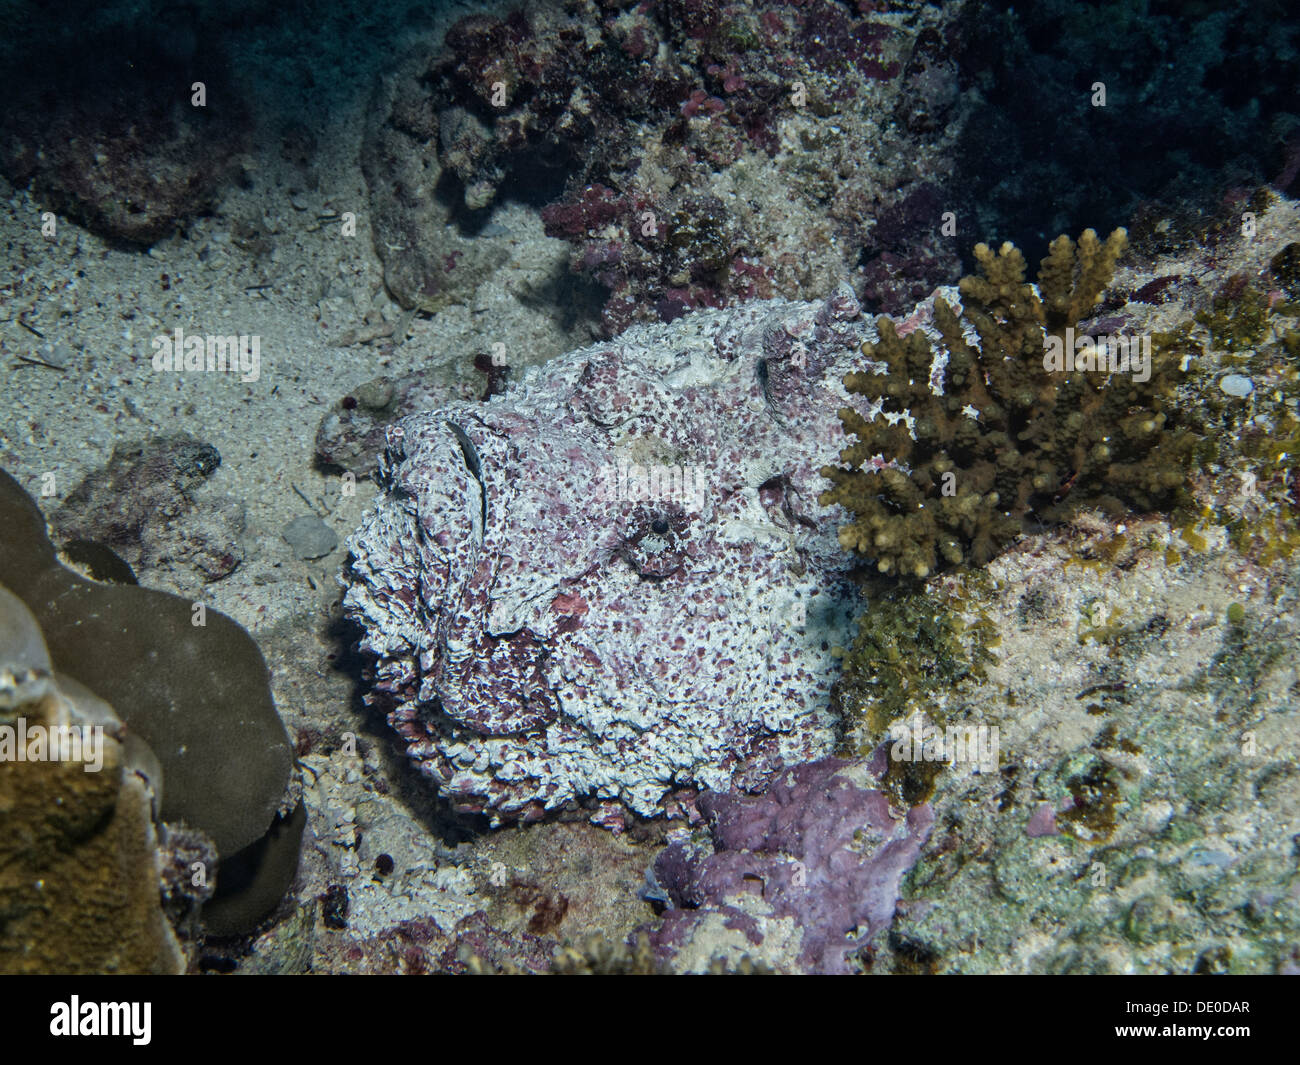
659, 526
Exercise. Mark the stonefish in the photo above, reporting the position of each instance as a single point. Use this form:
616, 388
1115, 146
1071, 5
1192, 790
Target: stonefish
615, 580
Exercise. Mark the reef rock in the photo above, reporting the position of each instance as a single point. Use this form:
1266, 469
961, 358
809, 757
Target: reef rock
690, 154
104, 122
615, 579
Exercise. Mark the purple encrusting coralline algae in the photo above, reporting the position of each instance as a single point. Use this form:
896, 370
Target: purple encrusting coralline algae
816, 862
615, 580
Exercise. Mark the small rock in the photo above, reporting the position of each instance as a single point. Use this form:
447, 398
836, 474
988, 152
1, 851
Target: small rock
376, 394
59, 354
1234, 384
309, 537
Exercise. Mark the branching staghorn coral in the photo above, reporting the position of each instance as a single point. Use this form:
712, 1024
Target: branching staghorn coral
1032, 421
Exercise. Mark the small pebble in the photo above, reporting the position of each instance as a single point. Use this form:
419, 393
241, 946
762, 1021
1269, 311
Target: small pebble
309, 537
59, 354
376, 394
1234, 384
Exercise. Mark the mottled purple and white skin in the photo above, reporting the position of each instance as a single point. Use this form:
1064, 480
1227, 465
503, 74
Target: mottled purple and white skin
543, 633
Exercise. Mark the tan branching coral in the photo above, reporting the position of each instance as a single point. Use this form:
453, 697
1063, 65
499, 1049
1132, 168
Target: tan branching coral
1032, 421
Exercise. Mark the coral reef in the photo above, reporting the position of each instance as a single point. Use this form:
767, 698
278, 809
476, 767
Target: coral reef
193, 686
514, 615
692, 154
79, 869
1018, 694
1141, 816
805, 875
1007, 434
698, 154
1076, 595
1139, 682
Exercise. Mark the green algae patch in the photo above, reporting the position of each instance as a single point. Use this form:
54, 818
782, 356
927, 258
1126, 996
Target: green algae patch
1237, 318
913, 649
1267, 528
1094, 795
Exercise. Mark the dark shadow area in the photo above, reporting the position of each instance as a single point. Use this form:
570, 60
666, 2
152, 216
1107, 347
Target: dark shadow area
416, 792
1201, 102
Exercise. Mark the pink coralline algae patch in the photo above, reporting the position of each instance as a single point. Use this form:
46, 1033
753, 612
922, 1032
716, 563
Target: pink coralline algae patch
1042, 822
817, 861
615, 580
